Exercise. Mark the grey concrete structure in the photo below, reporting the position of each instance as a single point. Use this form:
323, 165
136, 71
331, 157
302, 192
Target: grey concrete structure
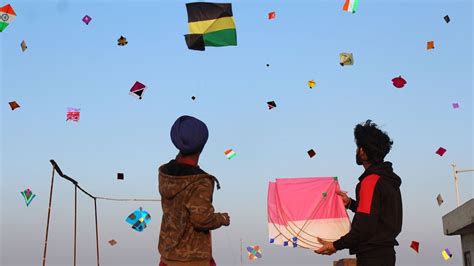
460, 221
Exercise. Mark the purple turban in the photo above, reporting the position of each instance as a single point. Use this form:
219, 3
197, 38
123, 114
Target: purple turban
189, 134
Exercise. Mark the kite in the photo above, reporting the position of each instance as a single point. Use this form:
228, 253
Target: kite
455, 105
73, 114
268, 65
399, 82
210, 24
446, 254
415, 246
137, 90
447, 19
271, 105
346, 59
311, 84
86, 19
441, 151
302, 209
120, 176
139, 219
254, 252
193, 98
7, 16
14, 105
311, 153
122, 41
351, 6
430, 45
439, 199
28, 196
112, 242
23, 46
230, 154
271, 15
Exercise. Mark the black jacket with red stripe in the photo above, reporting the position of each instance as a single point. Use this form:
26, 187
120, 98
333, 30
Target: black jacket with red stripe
378, 213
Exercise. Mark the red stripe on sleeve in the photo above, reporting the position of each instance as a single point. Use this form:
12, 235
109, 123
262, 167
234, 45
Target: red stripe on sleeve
366, 193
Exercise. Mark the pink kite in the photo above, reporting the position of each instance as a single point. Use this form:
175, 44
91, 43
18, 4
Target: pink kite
302, 209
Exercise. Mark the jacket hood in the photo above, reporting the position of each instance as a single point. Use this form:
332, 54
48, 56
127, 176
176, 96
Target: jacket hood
385, 171
171, 185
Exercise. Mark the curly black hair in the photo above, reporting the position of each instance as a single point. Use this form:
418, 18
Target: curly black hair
375, 142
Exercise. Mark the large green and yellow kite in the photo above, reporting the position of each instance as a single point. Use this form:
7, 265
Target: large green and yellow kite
210, 24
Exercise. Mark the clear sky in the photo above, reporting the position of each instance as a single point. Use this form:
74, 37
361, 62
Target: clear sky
70, 64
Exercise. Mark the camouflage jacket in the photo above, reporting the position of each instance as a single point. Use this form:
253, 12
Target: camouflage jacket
188, 214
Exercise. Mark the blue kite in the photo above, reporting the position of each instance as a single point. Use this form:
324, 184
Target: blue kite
139, 219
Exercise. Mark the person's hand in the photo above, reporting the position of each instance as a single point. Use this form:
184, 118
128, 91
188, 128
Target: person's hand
226, 218
345, 199
327, 248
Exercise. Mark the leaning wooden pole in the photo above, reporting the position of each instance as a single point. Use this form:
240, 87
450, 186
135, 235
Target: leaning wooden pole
49, 216
96, 231
75, 222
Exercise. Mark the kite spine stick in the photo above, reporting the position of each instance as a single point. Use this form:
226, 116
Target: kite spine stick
75, 222
49, 215
96, 231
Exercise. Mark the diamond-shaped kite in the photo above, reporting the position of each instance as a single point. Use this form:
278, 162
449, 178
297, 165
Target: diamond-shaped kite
346, 59
139, 219
441, 151
73, 114
122, 41
112, 242
455, 105
7, 16
23, 46
415, 246
399, 82
311, 153
14, 105
271, 15
138, 89
271, 105
430, 45
446, 254
86, 19
439, 199
447, 19
230, 154
254, 252
311, 84
28, 195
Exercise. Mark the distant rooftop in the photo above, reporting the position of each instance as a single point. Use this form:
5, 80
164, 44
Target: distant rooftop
460, 220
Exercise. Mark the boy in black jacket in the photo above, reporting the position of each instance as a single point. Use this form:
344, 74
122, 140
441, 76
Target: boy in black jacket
378, 205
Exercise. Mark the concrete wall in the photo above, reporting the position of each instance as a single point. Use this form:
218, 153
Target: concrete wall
467, 242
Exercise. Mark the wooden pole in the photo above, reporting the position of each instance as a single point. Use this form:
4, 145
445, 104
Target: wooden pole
96, 231
49, 215
75, 223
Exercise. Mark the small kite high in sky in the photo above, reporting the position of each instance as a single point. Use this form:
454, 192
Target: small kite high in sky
86, 19
137, 90
455, 105
210, 24
113, 242
311, 83
399, 82
439, 199
311, 153
139, 219
430, 45
122, 41
447, 19
7, 16
441, 151
415, 246
351, 6
14, 105
28, 195
254, 252
23, 46
446, 254
302, 209
271, 15
73, 114
230, 153
346, 59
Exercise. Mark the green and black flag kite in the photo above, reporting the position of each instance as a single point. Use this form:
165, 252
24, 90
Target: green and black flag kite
210, 24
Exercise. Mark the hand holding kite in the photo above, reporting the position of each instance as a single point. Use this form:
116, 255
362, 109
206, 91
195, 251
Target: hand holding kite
327, 248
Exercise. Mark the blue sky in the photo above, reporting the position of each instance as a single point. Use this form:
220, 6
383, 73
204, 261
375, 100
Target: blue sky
70, 64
